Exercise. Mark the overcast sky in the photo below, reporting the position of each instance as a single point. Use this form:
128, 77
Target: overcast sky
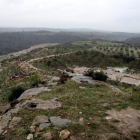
112, 15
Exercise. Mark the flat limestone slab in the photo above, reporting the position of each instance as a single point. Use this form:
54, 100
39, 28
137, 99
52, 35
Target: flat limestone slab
30, 92
41, 104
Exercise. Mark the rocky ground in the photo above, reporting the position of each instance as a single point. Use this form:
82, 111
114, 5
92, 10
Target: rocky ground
79, 108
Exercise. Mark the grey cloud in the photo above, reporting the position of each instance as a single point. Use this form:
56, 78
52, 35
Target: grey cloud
102, 14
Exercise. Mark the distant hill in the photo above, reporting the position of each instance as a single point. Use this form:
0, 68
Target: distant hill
134, 40
17, 39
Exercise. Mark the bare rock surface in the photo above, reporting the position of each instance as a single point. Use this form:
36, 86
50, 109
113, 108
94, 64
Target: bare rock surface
45, 122
6, 108
30, 92
82, 78
128, 119
14, 122
114, 88
4, 121
58, 122
55, 78
41, 119
41, 104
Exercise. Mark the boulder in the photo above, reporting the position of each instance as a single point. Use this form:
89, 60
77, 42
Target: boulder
64, 135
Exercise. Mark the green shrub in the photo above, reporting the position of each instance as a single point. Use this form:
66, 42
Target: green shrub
100, 76
97, 75
26, 132
34, 79
16, 92
89, 73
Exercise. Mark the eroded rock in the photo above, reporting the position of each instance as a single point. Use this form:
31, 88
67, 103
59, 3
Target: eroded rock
30, 92
14, 122
40, 119
41, 104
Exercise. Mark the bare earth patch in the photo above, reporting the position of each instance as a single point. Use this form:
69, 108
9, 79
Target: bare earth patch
128, 120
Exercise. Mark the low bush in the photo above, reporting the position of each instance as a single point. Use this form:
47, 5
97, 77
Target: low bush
97, 75
16, 92
34, 79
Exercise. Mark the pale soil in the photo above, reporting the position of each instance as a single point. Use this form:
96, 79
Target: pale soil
128, 120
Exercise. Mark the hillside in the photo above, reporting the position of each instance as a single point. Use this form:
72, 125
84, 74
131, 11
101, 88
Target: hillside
70, 91
133, 40
18, 40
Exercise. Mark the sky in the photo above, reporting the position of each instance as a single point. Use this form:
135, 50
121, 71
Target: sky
109, 15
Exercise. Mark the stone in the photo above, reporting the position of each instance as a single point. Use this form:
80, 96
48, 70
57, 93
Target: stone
64, 135
30, 92
44, 125
58, 122
52, 84
108, 118
40, 119
41, 104
6, 108
55, 78
32, 128
81, 121
82, 87
30, 137
14, 122
40, 85
0, 117
47, 136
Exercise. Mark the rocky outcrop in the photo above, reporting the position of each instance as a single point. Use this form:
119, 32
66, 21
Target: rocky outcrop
41, 104
34, 91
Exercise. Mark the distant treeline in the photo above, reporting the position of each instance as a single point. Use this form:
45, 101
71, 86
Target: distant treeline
16, 41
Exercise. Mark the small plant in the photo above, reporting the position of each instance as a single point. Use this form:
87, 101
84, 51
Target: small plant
34, 79
116, 121
26, 132
37, 125
97, 85
16, 92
